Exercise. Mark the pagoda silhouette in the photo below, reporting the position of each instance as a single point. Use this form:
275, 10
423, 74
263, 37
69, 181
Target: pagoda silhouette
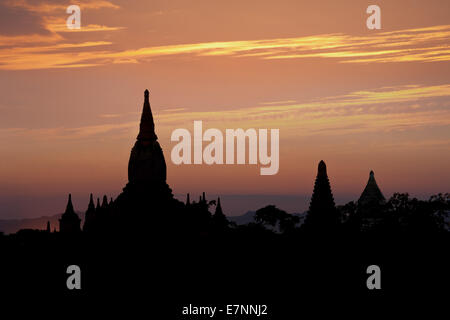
372, 194
147, 198
146, 244
69, 222
370, 204
322, 214
146, 202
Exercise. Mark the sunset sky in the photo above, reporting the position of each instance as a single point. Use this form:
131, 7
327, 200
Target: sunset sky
359, 99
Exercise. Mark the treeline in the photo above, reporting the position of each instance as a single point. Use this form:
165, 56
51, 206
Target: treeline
401, 213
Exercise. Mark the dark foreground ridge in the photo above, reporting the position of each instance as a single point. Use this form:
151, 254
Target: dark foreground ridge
145, 243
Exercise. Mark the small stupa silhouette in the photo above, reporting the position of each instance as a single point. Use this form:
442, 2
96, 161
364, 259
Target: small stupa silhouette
372, 194
89, 217
69, 222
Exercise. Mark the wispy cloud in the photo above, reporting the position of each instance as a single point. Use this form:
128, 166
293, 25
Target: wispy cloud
278, 102
28, 57
67, 133
58, 25
46, 6
429, 44
52, 29
174, 109
383, 109
111, 115
379, 110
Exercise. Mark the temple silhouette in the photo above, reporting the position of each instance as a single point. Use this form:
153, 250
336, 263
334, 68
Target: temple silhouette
180, 252
322, 214
372, 193
69, 222
147, 200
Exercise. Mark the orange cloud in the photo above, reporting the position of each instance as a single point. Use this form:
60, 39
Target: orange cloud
423, 45
58, 24
53, 17
46, 7
379, 110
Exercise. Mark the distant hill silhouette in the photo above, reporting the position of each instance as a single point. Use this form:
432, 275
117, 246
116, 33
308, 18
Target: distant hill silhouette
246, 218
8, 226
249, 217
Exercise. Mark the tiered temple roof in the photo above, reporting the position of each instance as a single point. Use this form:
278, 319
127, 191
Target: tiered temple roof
372, 193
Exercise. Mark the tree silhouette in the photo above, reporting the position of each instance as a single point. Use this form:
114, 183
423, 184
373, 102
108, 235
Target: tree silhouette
272, 216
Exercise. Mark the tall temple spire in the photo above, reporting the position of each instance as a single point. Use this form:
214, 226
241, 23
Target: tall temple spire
218, 207
322, 212
69, 207
105, 202
147, 166
147, 126
322, 197
219, 219
91, 202
69, 222
372, 193
322, 169
89, 216
188, 200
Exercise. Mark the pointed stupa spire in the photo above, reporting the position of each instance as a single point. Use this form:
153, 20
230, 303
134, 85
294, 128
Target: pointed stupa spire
203, 197
218, 208
147, 126
188, 200
69, 207
372, 193
48, 227
91, 205
98, 204
322, 197
147, 166
105, 202
322, 212
89, 216
219, 219
322, 169
69, 222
